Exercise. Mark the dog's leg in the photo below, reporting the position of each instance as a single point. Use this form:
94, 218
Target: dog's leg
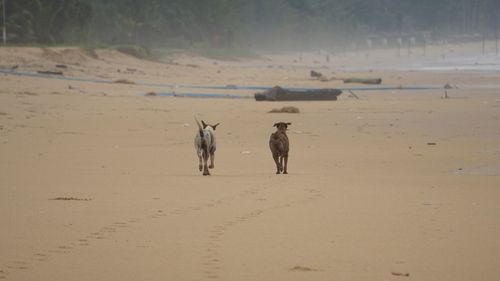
277, 161
286, 164
212, 159
200, 166
205, 165
281, 163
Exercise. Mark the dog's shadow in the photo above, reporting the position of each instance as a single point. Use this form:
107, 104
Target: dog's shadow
241, 175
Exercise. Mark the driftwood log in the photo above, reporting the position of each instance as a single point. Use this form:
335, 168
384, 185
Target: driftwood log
50, 72
363, 80
316, 74
279, 94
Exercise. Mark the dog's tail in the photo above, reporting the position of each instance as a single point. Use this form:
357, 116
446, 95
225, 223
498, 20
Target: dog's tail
200, 128
203, 141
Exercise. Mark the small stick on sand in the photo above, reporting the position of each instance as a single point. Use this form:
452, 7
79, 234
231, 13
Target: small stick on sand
353, 94
401, 274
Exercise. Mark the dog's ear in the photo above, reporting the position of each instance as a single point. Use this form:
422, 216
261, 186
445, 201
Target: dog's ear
204, 124
275, 125
215, 126
289, 123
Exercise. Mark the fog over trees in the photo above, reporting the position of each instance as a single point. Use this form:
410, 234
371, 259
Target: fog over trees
290, 24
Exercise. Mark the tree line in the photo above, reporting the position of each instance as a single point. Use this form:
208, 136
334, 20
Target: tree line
225, 23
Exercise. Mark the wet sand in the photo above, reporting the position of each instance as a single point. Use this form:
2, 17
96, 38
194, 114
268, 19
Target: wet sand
100, 182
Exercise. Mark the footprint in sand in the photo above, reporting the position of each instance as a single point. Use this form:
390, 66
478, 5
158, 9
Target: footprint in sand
96, 235
211, 264
19, 265
242, 218
108, 229
83, 242
61, 249
40, 257
211, 275
158, 214
315, 194
302, 268
213, 245
120, 224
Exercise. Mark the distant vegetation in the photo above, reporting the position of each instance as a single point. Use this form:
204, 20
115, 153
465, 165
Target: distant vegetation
288, 24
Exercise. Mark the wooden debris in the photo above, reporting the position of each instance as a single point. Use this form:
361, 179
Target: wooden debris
279, 94
76, 89
401, 274
285, 109
124, 81
302, 268
315, 74
375, 81
352, 94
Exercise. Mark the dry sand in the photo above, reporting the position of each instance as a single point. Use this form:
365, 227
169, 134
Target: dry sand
99, 182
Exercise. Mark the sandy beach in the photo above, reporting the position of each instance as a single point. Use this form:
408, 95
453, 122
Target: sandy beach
99, 181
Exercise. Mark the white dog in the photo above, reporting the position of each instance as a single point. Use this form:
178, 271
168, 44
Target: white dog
205, 145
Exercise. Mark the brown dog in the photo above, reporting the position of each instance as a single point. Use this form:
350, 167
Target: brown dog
278, 142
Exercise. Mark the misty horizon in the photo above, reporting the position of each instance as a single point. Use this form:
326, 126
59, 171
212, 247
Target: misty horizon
281, 24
